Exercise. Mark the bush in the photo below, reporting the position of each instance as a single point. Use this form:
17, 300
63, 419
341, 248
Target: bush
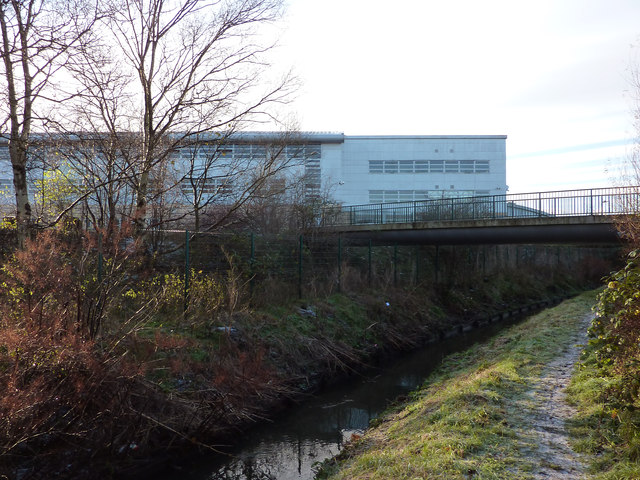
615, 332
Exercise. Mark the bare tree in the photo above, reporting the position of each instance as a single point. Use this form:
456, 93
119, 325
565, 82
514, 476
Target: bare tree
38, 36
221, 173
629, 225
194, 66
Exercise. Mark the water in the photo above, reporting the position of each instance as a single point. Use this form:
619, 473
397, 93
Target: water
288, 448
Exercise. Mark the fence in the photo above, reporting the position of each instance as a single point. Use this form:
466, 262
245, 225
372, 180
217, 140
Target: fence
268, 268
594, 201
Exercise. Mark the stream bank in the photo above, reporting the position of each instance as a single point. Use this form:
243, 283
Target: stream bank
198, 388
467, 421
291, 446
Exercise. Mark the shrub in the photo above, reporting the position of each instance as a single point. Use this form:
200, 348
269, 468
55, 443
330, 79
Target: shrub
615, 332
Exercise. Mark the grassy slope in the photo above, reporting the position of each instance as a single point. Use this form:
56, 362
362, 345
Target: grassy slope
609, 436
464, 422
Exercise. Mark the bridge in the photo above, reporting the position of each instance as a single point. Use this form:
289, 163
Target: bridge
564, 216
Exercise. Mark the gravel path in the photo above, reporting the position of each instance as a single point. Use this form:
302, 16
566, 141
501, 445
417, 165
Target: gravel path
546, 413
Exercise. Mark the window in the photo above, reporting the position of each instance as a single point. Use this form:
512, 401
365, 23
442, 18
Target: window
436, 166
421, 166
428, 166
406, 166
242, 151
313, 150
482, 166
391, 166
451, 166
390, 196
467, 166
376, 166
376, 196
211, 186
394, 196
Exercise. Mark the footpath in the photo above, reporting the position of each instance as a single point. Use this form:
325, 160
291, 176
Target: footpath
495, 411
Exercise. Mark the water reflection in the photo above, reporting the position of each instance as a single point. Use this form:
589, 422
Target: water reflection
288, 448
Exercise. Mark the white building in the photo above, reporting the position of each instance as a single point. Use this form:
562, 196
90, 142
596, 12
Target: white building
352, 170
381, 169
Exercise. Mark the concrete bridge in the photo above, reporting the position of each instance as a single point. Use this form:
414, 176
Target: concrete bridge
586, 216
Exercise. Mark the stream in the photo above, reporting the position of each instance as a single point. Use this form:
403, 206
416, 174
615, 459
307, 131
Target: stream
289, 447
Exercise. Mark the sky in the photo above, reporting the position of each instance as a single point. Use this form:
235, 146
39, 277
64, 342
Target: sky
552, 75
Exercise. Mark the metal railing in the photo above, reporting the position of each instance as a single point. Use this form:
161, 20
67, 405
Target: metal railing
561, 203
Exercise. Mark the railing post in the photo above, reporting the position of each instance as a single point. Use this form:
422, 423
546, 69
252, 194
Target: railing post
187, 268
452, 213
484, 261
539, 204
339, 264
395, 264
252, 260
493, 215
591, 198
100, 258
300, 247
369, 272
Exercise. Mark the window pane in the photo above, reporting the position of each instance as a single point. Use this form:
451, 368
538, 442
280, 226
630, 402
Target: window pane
436, 166
314, 150
482, 166
376, 196
466, 166
451, 166
375, 166
406, 166
390, 196
390, 166
422, 166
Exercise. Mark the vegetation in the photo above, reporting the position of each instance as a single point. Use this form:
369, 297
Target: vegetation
466, 420
606, 389
101, 362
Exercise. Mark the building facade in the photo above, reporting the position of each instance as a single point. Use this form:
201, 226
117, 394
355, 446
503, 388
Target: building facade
383, 169
349, 170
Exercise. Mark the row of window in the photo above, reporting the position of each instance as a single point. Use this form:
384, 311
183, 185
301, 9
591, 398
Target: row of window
393, 196
212, 186
206, 151
428, 166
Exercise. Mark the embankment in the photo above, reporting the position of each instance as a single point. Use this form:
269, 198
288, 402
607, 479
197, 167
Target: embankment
190, 387
476, 415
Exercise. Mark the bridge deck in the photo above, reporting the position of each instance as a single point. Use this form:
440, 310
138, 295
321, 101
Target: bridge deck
591, 229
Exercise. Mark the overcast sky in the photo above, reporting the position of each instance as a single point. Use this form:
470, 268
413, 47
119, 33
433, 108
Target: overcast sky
550, 74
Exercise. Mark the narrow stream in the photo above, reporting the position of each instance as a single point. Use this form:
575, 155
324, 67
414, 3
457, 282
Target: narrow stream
288, 448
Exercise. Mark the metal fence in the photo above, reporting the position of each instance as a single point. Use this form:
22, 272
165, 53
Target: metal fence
280, 267
594, 201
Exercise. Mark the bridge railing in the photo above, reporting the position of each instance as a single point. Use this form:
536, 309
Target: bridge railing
594, 201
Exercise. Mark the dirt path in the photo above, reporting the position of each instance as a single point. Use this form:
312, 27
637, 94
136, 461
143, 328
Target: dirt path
545, 415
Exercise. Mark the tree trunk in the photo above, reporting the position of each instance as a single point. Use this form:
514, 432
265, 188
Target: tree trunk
23, 207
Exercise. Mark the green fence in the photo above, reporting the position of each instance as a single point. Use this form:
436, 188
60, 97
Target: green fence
268, 268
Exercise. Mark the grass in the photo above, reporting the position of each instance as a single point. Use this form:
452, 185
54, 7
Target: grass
609, 436
465, 422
